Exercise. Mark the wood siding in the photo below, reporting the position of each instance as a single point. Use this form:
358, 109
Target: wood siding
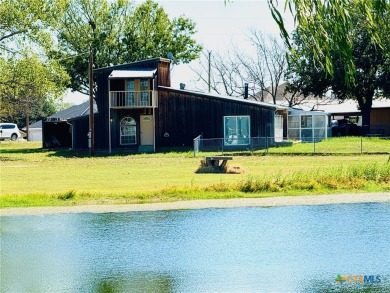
183, 116
164, 74
180, 116
80, 128
103, 88
380, 121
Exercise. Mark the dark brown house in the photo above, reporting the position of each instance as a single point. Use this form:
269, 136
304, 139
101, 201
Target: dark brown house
138, 110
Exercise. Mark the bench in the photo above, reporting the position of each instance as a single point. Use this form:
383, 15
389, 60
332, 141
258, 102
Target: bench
214, 161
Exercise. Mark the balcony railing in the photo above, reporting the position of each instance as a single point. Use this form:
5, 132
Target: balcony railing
133, 99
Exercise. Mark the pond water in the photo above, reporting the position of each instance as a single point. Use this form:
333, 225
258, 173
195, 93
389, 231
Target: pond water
279, 249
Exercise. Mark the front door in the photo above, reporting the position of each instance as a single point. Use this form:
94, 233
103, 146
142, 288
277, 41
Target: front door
147, 127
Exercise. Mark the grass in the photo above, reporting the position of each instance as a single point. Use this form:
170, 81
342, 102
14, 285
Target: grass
339, 145
31, 176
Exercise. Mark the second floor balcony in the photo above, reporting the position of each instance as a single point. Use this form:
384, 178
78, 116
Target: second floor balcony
133, 99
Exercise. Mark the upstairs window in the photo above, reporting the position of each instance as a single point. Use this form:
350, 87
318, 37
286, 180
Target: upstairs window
130, 90
144, 99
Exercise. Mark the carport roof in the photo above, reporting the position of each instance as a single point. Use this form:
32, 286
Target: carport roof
72, 112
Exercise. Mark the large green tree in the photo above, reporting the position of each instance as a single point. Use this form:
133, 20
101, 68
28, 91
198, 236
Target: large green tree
150, 33
29, 88
29, 84
371, 78
119, 33
25, 22
327, 24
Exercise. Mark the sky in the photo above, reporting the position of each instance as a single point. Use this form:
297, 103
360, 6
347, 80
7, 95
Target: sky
219, 25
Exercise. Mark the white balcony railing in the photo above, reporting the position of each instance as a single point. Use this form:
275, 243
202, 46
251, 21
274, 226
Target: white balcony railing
133, 99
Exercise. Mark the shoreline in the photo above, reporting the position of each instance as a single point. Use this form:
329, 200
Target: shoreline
204, 204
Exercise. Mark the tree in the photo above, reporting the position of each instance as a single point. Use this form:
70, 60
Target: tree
150, 33
267, 70
371, 63
231, 70
29, 88
27, 21
119, 34
327, 25
222, 74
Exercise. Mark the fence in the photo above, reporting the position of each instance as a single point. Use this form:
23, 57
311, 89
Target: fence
336, 145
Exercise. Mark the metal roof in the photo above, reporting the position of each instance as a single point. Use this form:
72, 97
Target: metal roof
227, 98
132, 74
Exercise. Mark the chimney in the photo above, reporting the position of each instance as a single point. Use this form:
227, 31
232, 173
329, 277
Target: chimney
246, 91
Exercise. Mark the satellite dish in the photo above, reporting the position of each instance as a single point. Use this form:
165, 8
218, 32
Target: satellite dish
171, 57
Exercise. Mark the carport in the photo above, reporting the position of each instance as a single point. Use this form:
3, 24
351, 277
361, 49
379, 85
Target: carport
56, 133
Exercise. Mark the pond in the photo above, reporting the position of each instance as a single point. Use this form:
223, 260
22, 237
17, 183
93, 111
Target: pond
279, 249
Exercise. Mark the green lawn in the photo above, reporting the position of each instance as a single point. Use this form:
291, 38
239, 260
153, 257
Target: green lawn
31, 176
340, 145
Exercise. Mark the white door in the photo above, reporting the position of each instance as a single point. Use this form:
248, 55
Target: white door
147, 133
278, 128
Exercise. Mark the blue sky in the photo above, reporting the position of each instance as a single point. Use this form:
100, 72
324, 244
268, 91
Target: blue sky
219, 25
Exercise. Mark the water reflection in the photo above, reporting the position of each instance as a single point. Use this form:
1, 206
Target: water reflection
137, 282
288, 249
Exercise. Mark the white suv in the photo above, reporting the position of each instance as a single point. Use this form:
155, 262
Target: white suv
9, 131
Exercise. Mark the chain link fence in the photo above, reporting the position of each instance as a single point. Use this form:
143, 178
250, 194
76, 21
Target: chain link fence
336, 145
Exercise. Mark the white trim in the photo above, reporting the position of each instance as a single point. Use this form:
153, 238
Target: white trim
154, 131
132, 74
249, 129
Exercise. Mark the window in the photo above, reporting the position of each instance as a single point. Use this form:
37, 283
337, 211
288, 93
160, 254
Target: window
128, 131
307, 126
293, 121
144, 92
130, 87
236, 130
306, 121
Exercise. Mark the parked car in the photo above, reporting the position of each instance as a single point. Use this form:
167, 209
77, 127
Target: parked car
9, 131
343, 127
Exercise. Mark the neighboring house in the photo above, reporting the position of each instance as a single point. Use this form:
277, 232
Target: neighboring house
348, 109
288, 99
34, 131
138, 110
57, 131
380, 114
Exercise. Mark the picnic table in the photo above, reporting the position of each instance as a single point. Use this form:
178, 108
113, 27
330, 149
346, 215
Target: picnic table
214, 161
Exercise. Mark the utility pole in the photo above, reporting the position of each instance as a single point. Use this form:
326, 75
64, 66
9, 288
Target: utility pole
27, 117
209, 70
91, 134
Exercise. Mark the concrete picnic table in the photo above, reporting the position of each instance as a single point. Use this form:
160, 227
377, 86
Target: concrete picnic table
214, 161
